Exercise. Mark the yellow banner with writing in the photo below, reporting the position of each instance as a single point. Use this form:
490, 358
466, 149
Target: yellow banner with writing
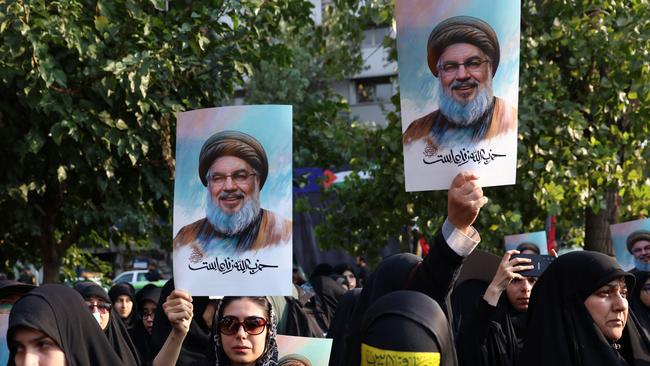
372, 356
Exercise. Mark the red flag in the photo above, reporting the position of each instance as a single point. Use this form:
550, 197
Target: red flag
550, 233
330, 178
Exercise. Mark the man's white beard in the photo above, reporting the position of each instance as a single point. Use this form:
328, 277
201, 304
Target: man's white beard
641, 265
465, 114
234, 223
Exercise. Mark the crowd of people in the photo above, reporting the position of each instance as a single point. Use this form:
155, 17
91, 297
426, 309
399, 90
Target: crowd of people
583, 310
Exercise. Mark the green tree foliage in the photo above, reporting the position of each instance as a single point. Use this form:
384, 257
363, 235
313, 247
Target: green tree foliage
88, 94
583, 138
585, 111
322, 54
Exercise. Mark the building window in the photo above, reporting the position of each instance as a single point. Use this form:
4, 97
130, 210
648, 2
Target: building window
370, 90
374, 37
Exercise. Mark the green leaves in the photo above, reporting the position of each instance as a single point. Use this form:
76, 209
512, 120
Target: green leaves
121, 125
597, 87
88, 97
583, 133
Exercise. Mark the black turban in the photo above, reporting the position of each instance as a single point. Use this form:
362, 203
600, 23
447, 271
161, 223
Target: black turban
637, 236
462, 29
233, 143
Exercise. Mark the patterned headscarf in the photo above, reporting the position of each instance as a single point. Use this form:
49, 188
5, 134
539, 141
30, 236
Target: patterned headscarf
270, 355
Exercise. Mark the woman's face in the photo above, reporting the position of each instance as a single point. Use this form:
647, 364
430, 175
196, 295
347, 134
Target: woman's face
352, 279
100, 310
645, 293
518, 292
124, 306
608, 308
243, 348
34, 348
148, 314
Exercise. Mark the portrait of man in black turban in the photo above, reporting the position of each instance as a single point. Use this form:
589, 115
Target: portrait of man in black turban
463, 54
233, 167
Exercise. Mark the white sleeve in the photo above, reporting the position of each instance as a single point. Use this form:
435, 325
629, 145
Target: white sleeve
460, 243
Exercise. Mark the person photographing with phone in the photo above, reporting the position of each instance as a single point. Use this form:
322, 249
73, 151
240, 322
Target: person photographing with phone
495, 333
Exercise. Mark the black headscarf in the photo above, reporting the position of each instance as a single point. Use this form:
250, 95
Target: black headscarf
141, 338
10, 287
641, 311
323, 269
89, 289
61, 313
392, 274
434, 276
344, 311
407, 321
196, 346
486, 335
560, 329
125, 289
465, 300
116, 332
149, 292
329, 292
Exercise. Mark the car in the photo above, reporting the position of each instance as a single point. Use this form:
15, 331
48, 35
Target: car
137, 278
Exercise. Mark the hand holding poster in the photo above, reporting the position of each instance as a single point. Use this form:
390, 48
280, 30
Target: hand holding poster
458, 72
232, 201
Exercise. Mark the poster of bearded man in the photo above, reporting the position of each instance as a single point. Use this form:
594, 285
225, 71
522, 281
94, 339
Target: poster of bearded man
459, 80
631, 244
233, 201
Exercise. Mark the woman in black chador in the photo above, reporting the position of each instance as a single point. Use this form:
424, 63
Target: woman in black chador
578, 315
122, 297
491, 327
640, 300
406, 327
59, 316
196, 346
110, 322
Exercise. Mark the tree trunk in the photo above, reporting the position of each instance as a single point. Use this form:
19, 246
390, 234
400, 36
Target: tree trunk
52, 251
597, 235
51, 269
52, 259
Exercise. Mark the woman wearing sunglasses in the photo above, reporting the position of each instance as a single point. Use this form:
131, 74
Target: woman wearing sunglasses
243, 331
99, 305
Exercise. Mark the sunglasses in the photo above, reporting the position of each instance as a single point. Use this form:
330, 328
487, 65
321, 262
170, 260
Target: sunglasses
103, 308
253, 325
